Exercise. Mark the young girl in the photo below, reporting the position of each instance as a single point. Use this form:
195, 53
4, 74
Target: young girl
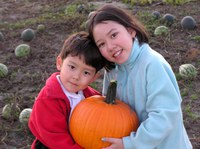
78, 63
145, 81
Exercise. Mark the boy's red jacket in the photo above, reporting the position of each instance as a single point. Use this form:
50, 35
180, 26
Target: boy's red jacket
50, 113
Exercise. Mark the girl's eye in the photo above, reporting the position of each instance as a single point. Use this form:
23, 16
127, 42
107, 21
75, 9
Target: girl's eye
101, 45
113, 35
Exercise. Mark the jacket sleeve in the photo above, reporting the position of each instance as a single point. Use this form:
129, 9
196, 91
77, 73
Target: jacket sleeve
162, 106
49, 123
89, 91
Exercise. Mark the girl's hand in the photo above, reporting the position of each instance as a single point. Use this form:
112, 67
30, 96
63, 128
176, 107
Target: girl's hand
115, 143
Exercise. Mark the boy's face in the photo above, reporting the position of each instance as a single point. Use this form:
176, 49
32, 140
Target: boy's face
75, 75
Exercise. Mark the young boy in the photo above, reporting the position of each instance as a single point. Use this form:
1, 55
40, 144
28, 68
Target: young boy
78, 63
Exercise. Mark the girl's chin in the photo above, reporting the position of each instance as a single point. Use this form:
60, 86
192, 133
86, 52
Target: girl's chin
120, 61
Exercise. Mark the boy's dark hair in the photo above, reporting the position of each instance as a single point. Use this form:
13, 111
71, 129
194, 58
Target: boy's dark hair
80, 44
111, 13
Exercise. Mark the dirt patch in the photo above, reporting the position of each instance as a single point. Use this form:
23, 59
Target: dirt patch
27, 75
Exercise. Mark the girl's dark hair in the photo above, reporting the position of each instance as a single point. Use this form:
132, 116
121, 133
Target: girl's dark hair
109, 12
80, 44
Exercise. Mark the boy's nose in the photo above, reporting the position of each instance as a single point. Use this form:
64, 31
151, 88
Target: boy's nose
76, 76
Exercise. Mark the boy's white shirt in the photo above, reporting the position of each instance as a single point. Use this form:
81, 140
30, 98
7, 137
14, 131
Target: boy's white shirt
74, 98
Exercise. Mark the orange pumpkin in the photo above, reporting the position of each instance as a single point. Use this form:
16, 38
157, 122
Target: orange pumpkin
98, 116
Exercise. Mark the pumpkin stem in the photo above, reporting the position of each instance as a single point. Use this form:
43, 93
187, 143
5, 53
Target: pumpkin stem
111, 93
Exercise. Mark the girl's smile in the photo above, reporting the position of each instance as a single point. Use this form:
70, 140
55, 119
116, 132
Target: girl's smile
114, 41
117, 53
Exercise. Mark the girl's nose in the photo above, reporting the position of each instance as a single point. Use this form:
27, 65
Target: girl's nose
110, 46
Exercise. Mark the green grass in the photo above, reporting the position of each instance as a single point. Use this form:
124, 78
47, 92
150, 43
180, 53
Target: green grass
194, 96
94, 85
184, 92
47, 16
145, 2
148, 20
196, 38
189, 112
176, 2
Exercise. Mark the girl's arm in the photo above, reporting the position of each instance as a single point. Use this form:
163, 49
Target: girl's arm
163, 108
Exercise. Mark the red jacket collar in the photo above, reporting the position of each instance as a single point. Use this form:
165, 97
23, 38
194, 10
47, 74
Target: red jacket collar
55, 90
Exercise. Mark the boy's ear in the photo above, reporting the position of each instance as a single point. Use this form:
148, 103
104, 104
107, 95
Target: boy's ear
97, 75
58, 63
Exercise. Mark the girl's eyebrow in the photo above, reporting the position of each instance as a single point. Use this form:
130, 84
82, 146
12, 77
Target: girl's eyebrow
108, 33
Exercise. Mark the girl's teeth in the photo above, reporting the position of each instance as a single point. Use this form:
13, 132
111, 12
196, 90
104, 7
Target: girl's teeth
117, 53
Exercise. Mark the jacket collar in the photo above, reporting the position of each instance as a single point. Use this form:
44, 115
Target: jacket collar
54, 89
135, 51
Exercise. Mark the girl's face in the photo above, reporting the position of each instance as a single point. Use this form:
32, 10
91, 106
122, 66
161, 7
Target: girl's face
75, 75
114, 41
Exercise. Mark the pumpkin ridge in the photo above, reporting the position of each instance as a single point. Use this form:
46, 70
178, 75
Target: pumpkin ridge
93, 119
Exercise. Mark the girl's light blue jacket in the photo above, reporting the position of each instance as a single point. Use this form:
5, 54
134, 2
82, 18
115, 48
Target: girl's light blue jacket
147, 83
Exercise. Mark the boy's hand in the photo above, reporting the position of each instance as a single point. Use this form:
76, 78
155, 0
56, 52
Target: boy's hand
115, 143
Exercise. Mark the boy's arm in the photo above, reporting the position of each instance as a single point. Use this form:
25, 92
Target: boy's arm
49, 123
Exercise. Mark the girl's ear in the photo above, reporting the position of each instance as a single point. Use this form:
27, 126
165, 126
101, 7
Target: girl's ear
132, 32
58, 63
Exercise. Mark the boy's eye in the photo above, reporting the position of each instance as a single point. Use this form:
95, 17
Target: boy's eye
87, 73
71, 66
